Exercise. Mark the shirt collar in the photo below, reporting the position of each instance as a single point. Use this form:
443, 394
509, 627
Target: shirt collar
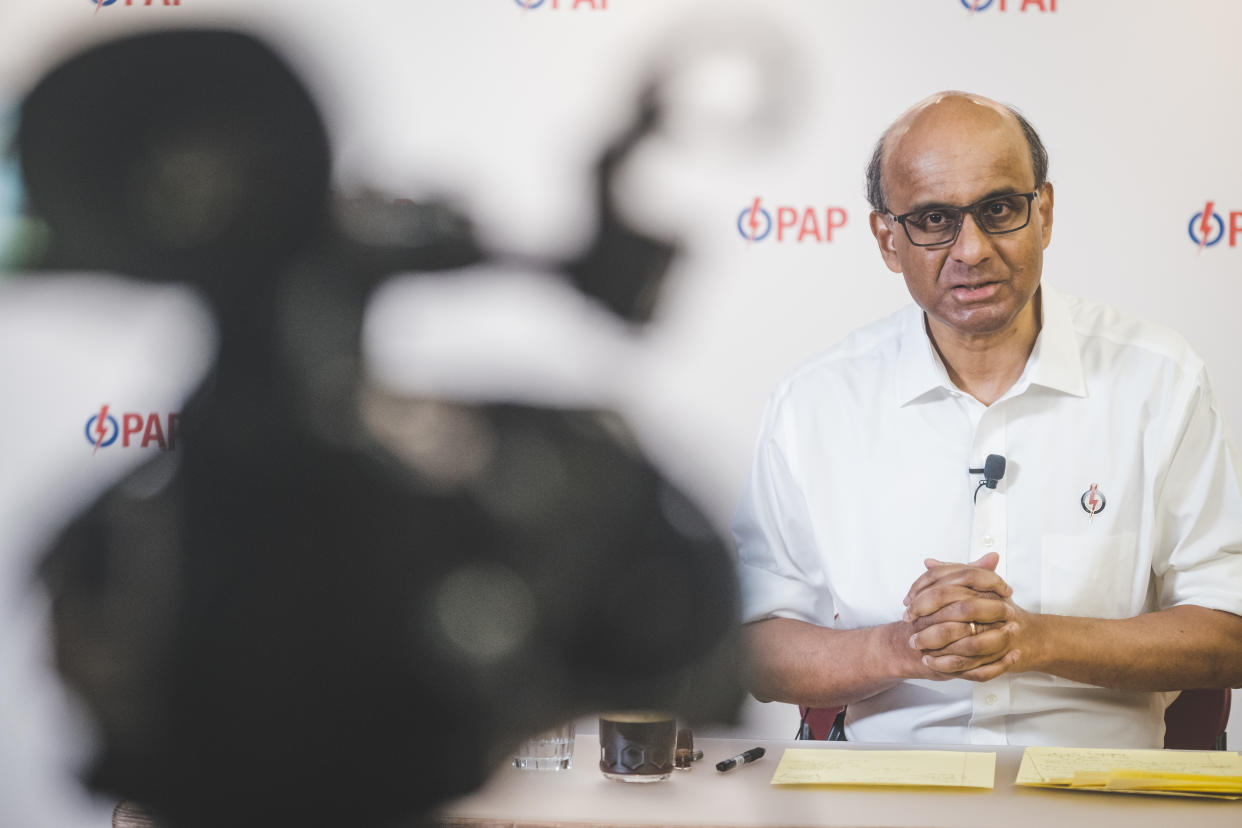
1055, 361
919, 369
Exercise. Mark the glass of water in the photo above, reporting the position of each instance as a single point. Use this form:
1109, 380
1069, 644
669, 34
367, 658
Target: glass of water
551, 750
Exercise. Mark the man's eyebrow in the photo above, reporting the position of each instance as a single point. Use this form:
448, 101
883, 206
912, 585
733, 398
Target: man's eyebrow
940, 205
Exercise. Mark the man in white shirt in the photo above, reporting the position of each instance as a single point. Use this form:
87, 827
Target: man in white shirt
1053, 606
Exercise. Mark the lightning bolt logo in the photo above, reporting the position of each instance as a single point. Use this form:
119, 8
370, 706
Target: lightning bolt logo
1093, 502
1205, 226
101, 427
753, 221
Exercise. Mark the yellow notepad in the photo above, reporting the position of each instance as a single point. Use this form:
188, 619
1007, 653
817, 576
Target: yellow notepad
1169, 772
836, 766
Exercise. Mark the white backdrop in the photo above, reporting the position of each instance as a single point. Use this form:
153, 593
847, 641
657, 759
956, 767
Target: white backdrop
503, 107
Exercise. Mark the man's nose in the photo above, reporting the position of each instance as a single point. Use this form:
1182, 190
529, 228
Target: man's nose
972, 245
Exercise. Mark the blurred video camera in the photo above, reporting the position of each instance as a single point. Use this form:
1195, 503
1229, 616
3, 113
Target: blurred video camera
287, 622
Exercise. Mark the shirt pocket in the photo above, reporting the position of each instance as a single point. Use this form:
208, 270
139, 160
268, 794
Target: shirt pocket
1088, 575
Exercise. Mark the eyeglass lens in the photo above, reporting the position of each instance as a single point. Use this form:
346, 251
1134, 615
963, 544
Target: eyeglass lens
938, 225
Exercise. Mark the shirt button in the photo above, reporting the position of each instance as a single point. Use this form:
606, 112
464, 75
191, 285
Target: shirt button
990, 698
989, 541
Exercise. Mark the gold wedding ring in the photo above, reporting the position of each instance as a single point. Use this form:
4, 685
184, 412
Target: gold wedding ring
973, 629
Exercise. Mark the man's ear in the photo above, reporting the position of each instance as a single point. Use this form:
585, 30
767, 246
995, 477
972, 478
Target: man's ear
883, 232
1045, 211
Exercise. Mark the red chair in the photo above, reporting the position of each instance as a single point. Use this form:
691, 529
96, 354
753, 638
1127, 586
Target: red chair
1195, 721
826, 724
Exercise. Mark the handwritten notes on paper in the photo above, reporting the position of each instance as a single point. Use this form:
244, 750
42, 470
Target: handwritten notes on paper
939, 768
1169, 772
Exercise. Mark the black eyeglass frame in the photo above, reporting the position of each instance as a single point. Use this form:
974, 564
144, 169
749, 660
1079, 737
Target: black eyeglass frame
973, 209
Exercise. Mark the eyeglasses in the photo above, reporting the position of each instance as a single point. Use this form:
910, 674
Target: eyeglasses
933, 226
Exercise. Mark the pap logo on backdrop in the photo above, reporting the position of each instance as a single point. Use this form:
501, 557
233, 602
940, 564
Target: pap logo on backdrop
755, 222
1008, 5
557, 5
99, 4
1207, 227
102, 429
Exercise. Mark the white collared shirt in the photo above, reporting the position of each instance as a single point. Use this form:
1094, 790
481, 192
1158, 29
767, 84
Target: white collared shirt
861, 472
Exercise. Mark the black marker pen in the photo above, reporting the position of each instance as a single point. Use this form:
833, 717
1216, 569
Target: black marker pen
741, 759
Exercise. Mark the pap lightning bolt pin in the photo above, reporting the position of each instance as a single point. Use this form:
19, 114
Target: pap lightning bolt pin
1093, 502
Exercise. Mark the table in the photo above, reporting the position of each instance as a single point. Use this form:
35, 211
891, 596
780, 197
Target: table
744, 797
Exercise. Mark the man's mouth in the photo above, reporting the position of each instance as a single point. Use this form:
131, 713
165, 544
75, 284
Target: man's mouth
975, 291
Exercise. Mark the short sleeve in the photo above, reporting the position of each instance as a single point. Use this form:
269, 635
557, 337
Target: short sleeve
1198, 553
780, 570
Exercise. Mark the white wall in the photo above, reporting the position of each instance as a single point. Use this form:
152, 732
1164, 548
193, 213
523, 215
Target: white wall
501, 107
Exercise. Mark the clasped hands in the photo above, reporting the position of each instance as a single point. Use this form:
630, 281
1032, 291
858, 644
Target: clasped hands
941, 606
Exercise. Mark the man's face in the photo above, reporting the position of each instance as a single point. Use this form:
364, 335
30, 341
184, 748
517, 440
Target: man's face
954, 153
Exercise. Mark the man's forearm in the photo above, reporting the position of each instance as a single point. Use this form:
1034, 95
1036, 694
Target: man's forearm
1181, 648
800, 663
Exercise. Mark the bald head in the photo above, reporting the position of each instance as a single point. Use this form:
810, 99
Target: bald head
948, 119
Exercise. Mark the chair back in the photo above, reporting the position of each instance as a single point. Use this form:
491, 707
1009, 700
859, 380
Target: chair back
1196, 720
818, 721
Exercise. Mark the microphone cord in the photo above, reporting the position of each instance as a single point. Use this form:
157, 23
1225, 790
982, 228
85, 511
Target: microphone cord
982, 483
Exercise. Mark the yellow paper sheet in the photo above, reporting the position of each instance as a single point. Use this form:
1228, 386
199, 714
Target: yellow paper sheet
1137, 780
940, 768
